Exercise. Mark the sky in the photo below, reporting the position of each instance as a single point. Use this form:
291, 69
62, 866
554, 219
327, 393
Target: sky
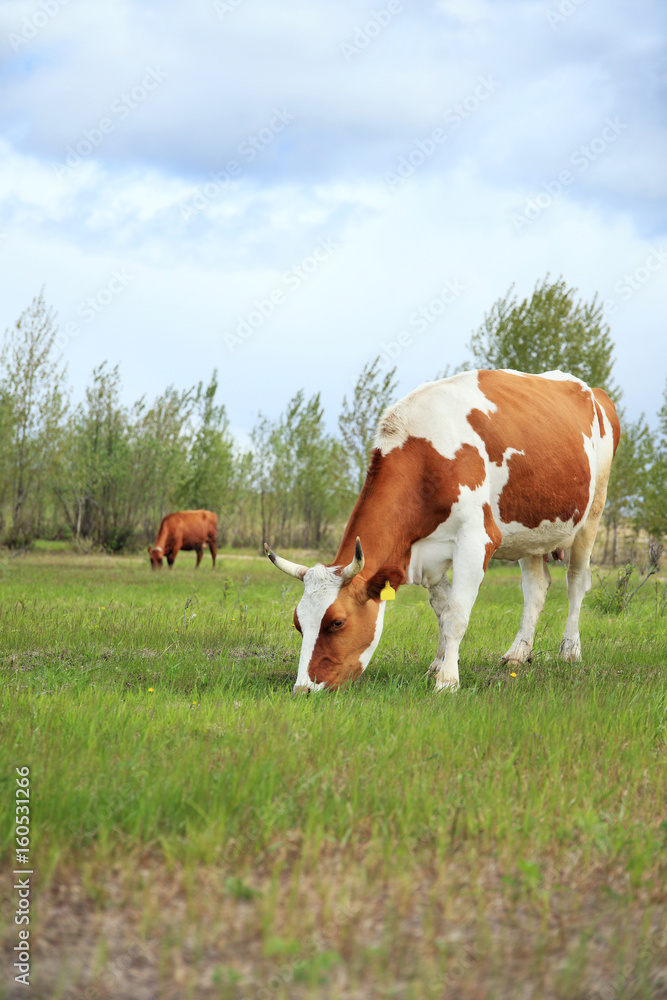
282, 192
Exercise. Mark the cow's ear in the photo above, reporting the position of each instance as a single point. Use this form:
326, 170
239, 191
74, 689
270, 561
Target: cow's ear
150, 549
391, 574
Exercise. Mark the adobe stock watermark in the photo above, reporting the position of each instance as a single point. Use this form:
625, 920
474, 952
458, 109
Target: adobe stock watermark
565, 9
370, 29
290, 281
419, 321
581, 159
248, 150
633, 281
92, 138
93, 305
225, 7
22, 872
32, 25
453, 118
627, 979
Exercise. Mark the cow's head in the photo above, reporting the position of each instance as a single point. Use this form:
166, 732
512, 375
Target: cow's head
155, 552
339, 617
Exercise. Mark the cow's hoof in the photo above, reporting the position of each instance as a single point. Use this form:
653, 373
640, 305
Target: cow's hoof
570, 650
518, 653
433, 669
449, 684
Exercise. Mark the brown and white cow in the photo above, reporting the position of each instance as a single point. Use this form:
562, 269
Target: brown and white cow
482, 464
186, 529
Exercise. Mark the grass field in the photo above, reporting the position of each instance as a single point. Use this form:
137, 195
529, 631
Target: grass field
197, 832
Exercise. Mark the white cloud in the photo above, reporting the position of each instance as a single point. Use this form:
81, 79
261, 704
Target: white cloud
195, 276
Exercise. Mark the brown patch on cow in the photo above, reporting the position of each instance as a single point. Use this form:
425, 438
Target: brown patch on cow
493, 532
543, 419
393, 575
598, 410
336, 658
190, 530
603, 400
408, 492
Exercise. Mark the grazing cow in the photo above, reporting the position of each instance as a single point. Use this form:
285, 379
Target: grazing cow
188, 530
482, 464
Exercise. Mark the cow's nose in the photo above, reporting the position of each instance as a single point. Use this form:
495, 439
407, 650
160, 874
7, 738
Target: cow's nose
300, 689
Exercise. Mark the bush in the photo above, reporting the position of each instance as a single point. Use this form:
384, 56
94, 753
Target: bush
613, 601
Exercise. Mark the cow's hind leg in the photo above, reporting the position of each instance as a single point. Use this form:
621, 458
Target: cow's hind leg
439, 598
467, 575
200, 552
578, 585
535, 582
579, 582
579, 578
214, 549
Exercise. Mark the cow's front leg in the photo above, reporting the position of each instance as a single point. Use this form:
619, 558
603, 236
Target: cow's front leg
535, 582
467, 576
199, 550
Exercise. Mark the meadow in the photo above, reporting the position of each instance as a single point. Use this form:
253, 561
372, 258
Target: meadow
198, 832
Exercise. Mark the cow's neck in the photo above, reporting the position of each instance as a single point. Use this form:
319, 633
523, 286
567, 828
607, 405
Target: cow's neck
387, 517
162, 537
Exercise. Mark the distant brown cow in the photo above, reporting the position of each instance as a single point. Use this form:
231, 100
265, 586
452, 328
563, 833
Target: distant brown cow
186, 529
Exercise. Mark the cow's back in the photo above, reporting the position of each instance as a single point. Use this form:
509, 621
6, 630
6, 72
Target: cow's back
189, 527
546, 441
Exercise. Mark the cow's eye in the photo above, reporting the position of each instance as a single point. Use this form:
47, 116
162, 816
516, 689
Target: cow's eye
335, 625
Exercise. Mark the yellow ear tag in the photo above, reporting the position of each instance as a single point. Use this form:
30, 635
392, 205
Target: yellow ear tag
387, 593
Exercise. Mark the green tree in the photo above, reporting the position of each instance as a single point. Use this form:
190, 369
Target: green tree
653, 510
372, 393
627, 482
161, 438
208, 470
318, 462
103, 463
5, 453
243, 523
33, 409
262, 473
548, 331
302, 469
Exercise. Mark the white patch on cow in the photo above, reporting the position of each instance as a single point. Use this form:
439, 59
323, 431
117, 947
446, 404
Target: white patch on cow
365, 657
431, 557
519, 541
558, 376
321, 586
437, 412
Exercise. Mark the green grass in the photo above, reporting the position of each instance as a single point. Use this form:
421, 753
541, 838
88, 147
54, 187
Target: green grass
378, 841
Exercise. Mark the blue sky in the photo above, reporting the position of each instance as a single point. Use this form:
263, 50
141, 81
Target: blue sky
283, 191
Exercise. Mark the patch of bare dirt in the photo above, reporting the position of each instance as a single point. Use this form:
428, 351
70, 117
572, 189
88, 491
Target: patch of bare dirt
452, 931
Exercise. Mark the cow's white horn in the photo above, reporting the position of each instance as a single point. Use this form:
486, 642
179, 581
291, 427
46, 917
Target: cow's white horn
292, 569
356, 565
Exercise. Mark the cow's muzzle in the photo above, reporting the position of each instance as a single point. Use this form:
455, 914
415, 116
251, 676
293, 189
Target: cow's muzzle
300, 689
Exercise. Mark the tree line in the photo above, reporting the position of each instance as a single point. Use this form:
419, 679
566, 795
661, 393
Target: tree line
103, 473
